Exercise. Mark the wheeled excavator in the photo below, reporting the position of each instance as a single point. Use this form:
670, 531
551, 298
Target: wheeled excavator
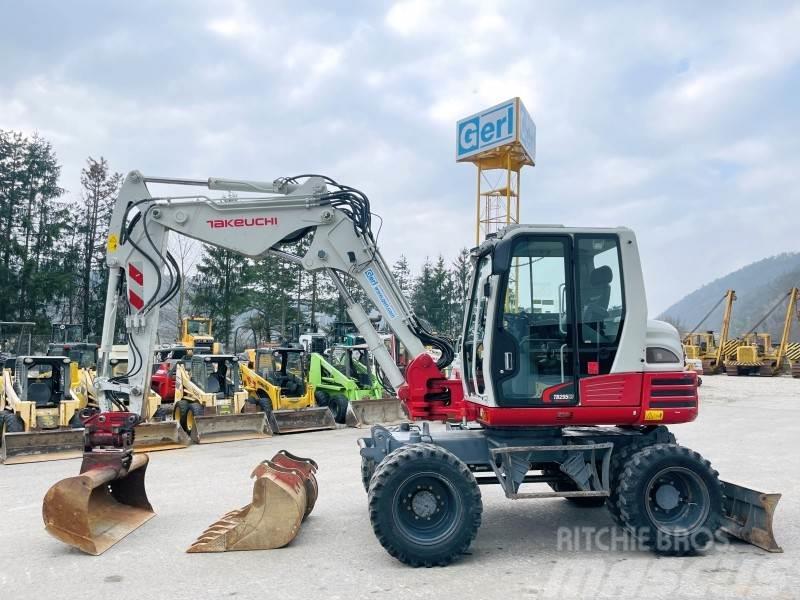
564, 382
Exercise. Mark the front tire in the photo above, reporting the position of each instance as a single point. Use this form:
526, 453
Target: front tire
338, 406
424, 505
670, 499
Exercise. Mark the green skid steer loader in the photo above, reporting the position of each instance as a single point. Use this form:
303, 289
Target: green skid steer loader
350, 387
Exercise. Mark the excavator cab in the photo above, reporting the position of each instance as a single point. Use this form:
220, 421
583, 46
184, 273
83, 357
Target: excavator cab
38, 411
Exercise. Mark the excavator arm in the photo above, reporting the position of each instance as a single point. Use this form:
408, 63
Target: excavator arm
145, 277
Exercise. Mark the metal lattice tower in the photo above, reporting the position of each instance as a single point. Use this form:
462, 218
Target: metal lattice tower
499, 142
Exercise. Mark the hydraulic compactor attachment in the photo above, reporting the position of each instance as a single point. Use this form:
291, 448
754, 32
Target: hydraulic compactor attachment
284, 493
107, 501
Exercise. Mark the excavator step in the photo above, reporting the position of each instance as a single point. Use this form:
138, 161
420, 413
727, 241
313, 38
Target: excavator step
40, 446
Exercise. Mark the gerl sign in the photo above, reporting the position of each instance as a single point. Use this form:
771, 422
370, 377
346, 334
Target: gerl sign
505, 123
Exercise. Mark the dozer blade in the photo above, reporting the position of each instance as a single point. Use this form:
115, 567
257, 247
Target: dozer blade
38, 446
302, 419
229, 428
167, 435
367, 412
748, 515
271, 520
102, 505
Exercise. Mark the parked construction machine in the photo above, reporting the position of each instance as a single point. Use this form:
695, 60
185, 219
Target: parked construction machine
564, 380
704, 347
196, 334
277, 384
39, 411
348, 384
756, 354
210, 401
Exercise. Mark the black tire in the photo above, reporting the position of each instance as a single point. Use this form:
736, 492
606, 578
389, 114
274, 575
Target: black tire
322, 398
565, 485
263, 402
2, 426
196, 410
671, 499
619, 458
397, 493
338, 405
367, 470
180, 411
75, 421
14, 423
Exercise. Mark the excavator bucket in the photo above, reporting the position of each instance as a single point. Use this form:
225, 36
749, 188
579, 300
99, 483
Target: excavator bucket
302, 419
38, 446
229, 428
165, 435
748, 515
272, 520
371, 411
102, 505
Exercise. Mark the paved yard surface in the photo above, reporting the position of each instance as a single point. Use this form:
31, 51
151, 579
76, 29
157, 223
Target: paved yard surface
749, 429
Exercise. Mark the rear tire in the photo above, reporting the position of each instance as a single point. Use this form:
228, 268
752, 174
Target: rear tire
193, 408
14, 423
263, 402
671, 499
338, 405
424, 505
322, 398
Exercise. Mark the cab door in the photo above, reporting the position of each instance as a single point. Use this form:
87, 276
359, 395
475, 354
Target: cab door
533, 358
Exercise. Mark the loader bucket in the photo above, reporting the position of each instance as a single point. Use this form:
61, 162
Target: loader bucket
167, 435
38, 446
748, 515
368, 412
99, 507
302, 419
229, 428
271, 520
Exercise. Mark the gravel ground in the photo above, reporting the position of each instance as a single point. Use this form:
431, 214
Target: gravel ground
746, 428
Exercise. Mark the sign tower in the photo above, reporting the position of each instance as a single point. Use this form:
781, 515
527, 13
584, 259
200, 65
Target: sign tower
499, 141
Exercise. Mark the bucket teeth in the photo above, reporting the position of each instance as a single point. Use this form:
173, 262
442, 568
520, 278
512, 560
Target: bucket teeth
284, 492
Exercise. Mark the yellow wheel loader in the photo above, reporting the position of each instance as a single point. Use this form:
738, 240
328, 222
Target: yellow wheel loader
196, 334
39, 411
211, 404
277, 384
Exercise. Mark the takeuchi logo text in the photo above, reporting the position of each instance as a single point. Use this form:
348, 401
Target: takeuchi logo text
242, 222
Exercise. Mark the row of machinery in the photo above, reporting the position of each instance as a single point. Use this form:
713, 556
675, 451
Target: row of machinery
563, 380
753, 353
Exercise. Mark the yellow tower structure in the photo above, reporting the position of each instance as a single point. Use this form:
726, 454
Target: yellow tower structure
499, 141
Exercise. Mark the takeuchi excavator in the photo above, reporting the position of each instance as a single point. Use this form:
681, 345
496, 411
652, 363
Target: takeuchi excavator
564, 382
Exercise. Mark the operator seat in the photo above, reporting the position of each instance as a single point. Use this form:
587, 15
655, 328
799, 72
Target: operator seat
40, 394
597, 297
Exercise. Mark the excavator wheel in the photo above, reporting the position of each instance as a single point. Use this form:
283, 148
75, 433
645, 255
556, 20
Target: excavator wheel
367, 469
424, 505
671, 499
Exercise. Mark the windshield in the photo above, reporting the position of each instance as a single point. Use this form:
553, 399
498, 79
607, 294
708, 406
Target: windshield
198, 327
474, 325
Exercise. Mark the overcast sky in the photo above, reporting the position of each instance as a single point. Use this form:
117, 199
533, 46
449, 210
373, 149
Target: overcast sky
679, 120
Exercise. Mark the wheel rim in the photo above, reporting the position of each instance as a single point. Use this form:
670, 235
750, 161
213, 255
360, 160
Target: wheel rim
677, 500
426, 508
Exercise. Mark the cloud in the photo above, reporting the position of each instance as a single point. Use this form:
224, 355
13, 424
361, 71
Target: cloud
679, 121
